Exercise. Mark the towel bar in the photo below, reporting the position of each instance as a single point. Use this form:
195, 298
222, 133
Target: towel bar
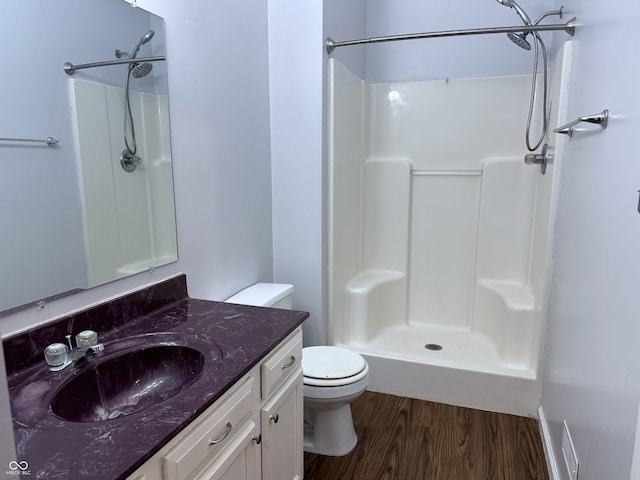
601, 119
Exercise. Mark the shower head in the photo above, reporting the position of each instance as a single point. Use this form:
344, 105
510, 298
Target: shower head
144, 39
521, 13
140, 70
520, 39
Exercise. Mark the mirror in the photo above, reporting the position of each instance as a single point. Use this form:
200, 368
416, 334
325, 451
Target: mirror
72, 215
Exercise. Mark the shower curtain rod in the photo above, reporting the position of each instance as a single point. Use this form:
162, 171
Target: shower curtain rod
70, 68
569, 27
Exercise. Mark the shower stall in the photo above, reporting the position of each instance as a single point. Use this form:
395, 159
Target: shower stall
440, 235
123, 157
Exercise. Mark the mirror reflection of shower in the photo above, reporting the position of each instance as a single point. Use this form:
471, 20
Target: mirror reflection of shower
129, 159
520, 39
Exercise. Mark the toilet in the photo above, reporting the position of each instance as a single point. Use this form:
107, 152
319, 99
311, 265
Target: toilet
333, 378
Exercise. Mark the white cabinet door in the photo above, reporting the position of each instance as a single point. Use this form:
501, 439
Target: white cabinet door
239, 461
282, 430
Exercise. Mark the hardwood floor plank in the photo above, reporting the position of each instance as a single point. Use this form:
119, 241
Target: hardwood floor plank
407, 439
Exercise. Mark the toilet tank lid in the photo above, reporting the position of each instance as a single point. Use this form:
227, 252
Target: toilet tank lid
262, 294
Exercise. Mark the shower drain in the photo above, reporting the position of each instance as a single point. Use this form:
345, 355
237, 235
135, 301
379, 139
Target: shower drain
433, 346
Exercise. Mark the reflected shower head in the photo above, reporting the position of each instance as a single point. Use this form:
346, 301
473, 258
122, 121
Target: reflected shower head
520, 39
147, 36
144, 39
140, 70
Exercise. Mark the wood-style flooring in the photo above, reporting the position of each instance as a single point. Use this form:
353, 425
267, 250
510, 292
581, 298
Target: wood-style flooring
405, 439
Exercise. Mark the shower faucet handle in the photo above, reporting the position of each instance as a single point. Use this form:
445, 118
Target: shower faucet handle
541, 159
129, 161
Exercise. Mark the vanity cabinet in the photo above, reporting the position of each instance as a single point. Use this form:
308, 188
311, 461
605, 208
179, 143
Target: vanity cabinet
253, 432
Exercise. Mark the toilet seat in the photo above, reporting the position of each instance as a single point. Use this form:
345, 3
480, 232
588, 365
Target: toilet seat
324, 366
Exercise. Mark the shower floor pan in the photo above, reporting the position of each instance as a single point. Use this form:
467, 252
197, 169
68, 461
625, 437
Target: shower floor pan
467, 371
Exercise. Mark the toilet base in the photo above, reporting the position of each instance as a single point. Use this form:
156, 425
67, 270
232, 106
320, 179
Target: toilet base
329, 432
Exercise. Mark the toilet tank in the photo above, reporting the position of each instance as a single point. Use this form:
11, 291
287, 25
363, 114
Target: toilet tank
274, 295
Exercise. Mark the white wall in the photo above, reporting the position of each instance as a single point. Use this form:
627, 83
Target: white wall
296, 79
346, 21
220, 140
297, 68
592, 373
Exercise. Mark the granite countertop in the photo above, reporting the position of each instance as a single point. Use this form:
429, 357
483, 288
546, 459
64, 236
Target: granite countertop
230, 338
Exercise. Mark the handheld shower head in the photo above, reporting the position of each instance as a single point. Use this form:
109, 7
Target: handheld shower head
147, 36
519, 39
143, 40
521, 13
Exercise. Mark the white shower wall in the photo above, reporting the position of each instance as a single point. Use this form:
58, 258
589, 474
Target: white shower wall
433, 217
130, 221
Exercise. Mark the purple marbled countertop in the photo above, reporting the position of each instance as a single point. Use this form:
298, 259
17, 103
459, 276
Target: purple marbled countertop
231, 338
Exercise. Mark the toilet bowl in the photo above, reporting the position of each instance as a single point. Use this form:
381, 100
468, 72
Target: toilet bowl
333, 378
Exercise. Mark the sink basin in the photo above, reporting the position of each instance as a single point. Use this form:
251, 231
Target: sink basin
127, 383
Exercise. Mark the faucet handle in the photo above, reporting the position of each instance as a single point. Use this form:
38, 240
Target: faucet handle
86, 338
56, 356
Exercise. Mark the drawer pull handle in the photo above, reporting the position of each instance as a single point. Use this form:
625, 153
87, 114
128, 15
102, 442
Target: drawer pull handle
291, 361
257, 439
274, 418
215, 441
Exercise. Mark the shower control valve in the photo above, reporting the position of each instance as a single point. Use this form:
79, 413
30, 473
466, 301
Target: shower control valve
129, 160
541, 159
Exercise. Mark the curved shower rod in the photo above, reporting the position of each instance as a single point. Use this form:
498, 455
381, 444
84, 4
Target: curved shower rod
569, 27
70, 68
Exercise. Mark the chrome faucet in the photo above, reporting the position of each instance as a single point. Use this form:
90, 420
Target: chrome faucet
58, 356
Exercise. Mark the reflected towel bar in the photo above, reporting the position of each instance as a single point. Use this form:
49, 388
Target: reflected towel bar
601, 119
50, 141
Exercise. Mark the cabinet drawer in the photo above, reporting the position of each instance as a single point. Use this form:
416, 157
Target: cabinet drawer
240, 460
279, 366
209, 439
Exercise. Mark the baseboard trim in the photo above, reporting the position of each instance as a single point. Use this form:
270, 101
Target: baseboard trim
552, 465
